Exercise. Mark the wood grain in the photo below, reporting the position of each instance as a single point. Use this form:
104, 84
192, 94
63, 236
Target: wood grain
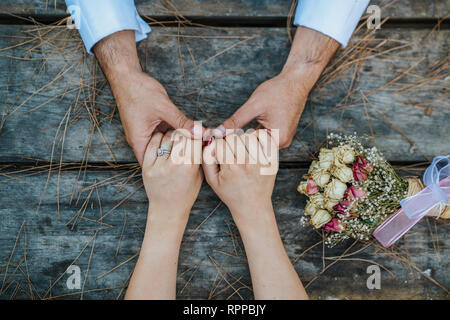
51, 245
229, 65
47, 105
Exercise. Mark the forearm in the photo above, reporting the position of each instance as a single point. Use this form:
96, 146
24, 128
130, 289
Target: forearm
155, 274
118, 58
273, 275
310, 53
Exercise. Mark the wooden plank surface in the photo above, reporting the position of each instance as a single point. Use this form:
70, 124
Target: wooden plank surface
51, 245
46, 97
229, 64
232, 8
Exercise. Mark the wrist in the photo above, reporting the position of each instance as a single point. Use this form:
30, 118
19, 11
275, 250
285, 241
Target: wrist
310, 53
167, 219
262, 233
302, 75
161, 240
123, 72
122, 77
252, 219
300, 78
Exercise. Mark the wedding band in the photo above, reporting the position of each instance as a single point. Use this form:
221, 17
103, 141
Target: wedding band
164, 149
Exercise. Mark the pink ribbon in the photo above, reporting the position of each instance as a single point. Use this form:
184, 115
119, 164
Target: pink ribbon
428, 202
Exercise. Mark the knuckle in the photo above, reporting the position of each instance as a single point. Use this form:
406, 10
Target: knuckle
147, 172
181, 120
234, 121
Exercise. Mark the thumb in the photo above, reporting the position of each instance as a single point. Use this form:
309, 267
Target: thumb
178, 121
243, 116
139, 142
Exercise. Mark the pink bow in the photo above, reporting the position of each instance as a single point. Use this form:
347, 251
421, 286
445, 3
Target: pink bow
427, 202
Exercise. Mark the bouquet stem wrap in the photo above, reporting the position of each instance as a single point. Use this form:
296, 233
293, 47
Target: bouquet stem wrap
431, 201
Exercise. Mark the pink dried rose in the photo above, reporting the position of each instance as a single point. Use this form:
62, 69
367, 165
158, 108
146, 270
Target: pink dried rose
334, 225
308, 187
368, 167
361, 168
339, 208
311, 186
359, 174
345, 207
354, 192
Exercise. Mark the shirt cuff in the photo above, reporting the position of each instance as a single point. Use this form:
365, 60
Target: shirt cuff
98, 19
336, 19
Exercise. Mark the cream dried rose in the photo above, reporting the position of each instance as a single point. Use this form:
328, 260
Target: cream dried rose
335, 189
302, 187
314, 166
320, 218
343, 155
321, 177
330, 203
343, 173
326, 158
317, 200
310, 208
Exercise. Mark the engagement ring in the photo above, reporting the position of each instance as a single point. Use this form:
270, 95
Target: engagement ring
164, 149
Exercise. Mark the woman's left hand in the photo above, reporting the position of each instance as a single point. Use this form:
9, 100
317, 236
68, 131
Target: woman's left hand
172, 182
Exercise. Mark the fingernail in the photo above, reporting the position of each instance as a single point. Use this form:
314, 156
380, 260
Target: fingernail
207, 135
197, 131
208, 142
220, 131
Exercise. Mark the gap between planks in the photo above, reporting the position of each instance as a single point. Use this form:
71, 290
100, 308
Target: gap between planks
125, 166
222, 21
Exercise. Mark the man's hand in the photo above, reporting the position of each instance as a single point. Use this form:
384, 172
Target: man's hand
276, 104
145, 106
279, 102
143, 102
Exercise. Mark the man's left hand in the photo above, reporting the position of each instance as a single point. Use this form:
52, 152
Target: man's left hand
276, 104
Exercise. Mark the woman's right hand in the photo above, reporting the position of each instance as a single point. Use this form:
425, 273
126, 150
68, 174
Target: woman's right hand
242, 170
246, 189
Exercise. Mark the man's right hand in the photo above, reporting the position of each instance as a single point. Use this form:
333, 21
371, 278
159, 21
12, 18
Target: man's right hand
143, 102
145, 106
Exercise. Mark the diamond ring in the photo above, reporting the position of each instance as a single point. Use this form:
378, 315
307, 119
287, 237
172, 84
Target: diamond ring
164, 149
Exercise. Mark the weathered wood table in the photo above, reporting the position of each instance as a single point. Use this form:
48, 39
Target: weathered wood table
71, 193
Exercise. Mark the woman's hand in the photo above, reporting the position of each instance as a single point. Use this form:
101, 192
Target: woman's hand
172, 182
243, 175
236, 168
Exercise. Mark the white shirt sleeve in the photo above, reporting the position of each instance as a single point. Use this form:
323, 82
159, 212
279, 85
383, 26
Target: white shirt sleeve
97, 19
334, 18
